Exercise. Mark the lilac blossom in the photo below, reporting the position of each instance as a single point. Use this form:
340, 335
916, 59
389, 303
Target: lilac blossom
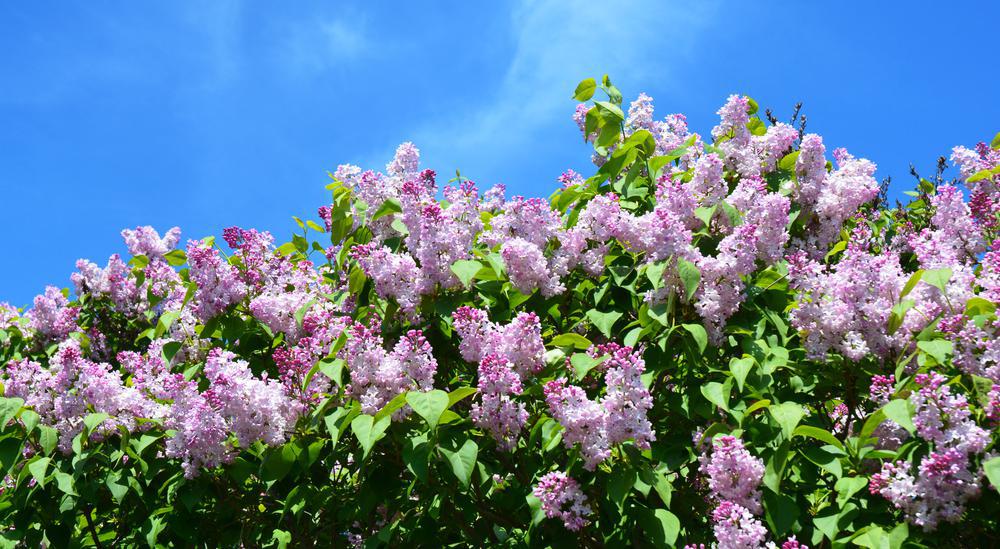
146, 241
562, 498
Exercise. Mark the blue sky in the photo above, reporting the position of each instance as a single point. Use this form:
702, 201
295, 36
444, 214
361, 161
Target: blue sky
211, 114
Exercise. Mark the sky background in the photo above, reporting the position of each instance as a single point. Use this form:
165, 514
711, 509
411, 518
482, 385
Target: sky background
211, 114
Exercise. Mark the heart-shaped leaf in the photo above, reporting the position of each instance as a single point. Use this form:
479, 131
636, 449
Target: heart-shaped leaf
429, 405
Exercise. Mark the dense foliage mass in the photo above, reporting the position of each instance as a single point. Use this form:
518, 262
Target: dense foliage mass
723, 340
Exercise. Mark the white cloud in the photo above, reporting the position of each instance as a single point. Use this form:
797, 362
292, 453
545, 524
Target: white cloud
313, 47
556, 44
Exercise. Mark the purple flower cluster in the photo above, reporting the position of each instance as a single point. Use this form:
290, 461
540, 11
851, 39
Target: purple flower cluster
146, 241
943, 482
519, 342
845, 307
219, 283
498, 413
51, 317
620, 415
734, 478
72, 387
734, 474
562, 498
736, 527
378, 375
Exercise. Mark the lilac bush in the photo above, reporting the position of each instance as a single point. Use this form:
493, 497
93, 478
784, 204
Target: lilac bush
727, 340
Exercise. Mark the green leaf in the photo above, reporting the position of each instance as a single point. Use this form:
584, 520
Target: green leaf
700, 335
938, 278
821, 435
690, 277
827, 460
333, 369
584, 363
389, 207
911, 283
899, 410
368, 431
463, 461
979, 176
429, 405
661, 526
175, 258
717, 393
787, 162
48, 438
836, 249
780, 511
872, 537
788, 415
281, 538
976, 306
459, 394
995, 144
279, 462
38, 469
740, 368
848, 486
465, 270
576, 341
763, 403
118, 490
898, 314
610, 111
992, 469
416, 455
9, 407
165, 321
604, 321
10, 453
391, 407
938, 348
93, 421
336, 423
585, 89
64, 482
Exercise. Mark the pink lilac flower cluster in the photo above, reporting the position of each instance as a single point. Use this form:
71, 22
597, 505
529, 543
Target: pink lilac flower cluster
669, 133
236, 404
984, 193
519, 342
620, 415
51, 317
9, 316
736, 527
845, 307
505, 354
146, 241
498, 413
570, 178
72, 387
562, 498
734, 474
158, 288
219, 283
378, 375
436, 234
321, 328
943, 482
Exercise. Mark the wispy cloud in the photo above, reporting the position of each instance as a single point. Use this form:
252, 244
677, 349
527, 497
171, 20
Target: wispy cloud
556, 44
315, 46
